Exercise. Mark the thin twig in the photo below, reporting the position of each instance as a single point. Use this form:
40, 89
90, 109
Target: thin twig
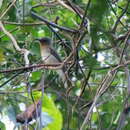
23, 24
23, 51
84, 16
10, 36
118, 20
53, 24
115, 14
14, 76
43, 66
13, 30
3, 14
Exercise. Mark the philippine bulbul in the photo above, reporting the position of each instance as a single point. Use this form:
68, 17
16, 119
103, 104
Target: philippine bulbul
50, 56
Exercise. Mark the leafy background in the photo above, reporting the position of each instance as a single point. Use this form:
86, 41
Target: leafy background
99, 68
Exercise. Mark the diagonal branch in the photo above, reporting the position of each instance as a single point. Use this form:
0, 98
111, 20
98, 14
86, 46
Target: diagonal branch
7, 9
53, 24
118, 20
23, 51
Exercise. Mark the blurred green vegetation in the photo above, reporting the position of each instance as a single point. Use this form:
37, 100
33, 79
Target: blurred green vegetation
98, 52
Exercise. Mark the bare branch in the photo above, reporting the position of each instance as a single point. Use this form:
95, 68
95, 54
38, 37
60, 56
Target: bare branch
23, 51
41, 66
53, 24
7, 9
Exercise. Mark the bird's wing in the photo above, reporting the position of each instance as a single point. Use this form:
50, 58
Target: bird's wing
54, 53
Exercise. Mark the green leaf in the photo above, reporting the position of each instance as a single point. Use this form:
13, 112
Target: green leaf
2, 57
36, 76
89, 60
97, 10
49, 107
2, 126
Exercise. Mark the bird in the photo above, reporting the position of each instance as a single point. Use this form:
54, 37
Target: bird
50, 56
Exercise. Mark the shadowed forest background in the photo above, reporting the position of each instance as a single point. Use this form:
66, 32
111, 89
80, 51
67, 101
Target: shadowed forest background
92, 38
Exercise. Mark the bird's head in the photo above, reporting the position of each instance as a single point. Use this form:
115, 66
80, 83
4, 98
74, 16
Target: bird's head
45, 41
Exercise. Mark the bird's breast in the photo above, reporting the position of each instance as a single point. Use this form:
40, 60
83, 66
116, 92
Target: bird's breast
48, 58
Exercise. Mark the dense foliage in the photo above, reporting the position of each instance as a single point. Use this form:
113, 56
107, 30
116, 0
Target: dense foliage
93, 39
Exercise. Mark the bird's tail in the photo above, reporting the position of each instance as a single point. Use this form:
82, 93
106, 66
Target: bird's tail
63, 76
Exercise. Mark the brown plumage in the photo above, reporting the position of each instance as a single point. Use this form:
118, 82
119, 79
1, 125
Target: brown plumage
50, 56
